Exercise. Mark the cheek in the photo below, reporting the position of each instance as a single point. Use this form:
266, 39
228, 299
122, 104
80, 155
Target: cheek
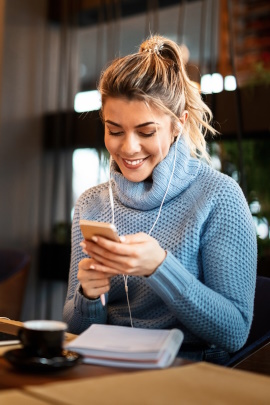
106, 143
161, 149
109, 144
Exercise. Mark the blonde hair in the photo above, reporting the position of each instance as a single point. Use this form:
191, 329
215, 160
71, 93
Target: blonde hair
157, 75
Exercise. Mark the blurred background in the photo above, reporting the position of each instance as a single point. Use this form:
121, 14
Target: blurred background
51, 138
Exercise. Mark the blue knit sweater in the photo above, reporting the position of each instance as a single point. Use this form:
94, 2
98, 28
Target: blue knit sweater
205, 286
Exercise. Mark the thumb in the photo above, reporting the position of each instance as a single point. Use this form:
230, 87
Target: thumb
135, 238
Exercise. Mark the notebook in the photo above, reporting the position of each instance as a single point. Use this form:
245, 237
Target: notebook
122, 346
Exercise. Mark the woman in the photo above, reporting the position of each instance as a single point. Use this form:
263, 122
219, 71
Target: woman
187, 257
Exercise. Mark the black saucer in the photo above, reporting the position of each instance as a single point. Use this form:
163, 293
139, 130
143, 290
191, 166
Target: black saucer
21, 359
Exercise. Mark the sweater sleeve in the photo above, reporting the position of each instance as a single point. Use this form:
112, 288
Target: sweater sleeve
218, 308
80, 312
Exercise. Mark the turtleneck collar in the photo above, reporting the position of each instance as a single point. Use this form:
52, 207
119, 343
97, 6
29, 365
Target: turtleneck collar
147, 195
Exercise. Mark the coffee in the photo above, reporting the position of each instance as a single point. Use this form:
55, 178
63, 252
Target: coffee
43, 338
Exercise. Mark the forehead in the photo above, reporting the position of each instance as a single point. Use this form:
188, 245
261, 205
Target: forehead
133, 110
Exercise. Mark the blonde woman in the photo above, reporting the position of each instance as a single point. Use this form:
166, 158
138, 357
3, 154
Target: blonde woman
187, 257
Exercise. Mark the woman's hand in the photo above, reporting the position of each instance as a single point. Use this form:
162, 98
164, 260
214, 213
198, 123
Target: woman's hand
93, 283
137, 255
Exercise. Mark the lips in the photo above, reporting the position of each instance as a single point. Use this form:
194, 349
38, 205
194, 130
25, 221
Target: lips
134, 164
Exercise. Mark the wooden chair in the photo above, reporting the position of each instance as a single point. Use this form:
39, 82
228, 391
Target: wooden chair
260, 329
14, 267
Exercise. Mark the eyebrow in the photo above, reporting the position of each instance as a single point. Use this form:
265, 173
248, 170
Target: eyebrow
144, 124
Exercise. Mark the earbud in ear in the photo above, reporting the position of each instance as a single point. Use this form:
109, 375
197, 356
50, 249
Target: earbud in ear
180, 128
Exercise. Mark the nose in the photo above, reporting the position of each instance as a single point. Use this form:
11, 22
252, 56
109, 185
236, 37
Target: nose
130, 144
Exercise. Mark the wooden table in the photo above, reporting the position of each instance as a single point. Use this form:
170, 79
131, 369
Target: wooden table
184, 382
10, 377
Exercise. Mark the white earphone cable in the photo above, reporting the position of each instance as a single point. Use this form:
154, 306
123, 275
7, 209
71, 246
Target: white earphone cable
167, 189
157, 218
110, 192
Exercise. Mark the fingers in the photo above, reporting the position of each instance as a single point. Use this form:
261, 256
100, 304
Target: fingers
93, 292
140, 237
89, 265
108, 254
122, 249
93, 282
112, 267
85, 264
140, 255
100, 248
116, 261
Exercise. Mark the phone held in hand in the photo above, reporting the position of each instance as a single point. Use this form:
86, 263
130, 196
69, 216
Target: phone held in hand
96, 228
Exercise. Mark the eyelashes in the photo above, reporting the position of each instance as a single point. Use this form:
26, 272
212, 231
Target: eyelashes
143, 134
115, 133
147, 135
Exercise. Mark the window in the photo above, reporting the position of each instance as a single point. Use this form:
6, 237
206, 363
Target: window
90, 167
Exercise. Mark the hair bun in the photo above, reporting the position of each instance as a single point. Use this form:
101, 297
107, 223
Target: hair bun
152, 45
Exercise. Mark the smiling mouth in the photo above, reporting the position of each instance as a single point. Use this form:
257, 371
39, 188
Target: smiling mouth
133, 163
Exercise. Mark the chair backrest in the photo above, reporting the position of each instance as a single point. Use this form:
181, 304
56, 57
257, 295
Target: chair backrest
260, 329
14, 267
261, 316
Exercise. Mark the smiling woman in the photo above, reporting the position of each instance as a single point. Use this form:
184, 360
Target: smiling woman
136, 136
187, 253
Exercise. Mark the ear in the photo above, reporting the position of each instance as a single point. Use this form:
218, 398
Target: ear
184, 117
181, 124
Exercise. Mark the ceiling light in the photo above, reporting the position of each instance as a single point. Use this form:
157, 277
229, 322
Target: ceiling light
230, 83
217, 83
206, 83
87, 101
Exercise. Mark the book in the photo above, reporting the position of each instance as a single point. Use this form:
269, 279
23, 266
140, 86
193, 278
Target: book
122, 346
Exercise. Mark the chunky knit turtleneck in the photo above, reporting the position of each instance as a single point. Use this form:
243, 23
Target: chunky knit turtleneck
148, 195
205, 286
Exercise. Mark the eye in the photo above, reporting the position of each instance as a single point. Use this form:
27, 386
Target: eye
115, 133
147, 134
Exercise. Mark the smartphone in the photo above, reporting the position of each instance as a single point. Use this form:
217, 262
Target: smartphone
104, 229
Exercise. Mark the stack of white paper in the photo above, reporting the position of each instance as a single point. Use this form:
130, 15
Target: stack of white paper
122, 346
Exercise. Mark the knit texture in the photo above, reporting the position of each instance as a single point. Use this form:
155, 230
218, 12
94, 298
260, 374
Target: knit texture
205, 286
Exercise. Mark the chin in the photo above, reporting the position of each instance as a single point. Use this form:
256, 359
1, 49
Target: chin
135, 178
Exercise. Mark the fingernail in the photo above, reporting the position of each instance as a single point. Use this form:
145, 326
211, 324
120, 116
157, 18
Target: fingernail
83, 245
84, 251
94, 238
122, 239
92, 267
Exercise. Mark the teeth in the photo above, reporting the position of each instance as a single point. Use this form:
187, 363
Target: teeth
133, 162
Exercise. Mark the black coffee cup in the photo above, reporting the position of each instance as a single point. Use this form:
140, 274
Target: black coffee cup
42, 338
